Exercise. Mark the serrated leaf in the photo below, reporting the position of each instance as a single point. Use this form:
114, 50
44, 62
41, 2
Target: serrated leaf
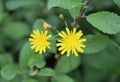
8, 72
37, 60
25, 55
67, 4
62, 78
12, 5
16, 30
105, 21
46, 72
67, 64
117, 2
95, 43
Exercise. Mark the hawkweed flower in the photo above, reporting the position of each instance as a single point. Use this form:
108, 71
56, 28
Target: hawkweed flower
71, 42
46, 25
39, 41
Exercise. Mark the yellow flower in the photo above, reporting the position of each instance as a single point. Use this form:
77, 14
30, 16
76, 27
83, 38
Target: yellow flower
71, 42
39, 41
46, 25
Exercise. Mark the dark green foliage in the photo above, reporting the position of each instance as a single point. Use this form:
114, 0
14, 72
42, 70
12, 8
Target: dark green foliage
100, 23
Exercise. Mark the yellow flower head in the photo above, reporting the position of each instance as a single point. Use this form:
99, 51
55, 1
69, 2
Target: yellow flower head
46, 25
39, 41
71, 42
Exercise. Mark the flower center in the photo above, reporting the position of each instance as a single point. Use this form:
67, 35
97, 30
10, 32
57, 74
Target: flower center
71, 41
42, 40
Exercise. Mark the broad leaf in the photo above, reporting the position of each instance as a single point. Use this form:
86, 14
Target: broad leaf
106, 61
105, 21
95, 43
75, 11
46, 72
117, 2
37, 60
74, 6
12, 5
16, 30
30, 80
38, 24
67, 64
8, 72
67, 4
62, 78
25, 54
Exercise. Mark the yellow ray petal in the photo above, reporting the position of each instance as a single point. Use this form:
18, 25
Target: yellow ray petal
63, 51
68, 31
68, 53
39, 41
49, 36
74, 30
75, 52
46, 32
31, 39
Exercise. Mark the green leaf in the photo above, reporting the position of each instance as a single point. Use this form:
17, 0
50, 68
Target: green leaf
37, 60
30, 80
12, 5
1, 7
46, 72
101, 5
16, 30
43, 79
92, 75
2, 16
25, 54
77, 75
53, 20
18, 78
2, 48
62, 78
67, 4
106, 61
5, 59
117, 2
38, 24
53, 44
2, 39
95, 43
105, 21
75, 11
67, 64
8, 72
117, 37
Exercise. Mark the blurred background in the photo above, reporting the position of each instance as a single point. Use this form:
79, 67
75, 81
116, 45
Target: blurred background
18, 18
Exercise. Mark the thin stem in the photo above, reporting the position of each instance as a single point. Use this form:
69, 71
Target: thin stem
54, 28
65, 23
81, 13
